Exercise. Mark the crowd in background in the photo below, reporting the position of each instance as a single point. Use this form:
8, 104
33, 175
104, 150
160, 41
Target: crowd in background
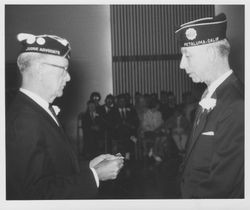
150, 127
150, 131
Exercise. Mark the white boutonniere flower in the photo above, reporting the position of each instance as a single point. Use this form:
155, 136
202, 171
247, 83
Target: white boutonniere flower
56, 109
208, 103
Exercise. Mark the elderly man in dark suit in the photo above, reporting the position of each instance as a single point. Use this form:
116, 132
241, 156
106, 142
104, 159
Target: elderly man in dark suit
40, 163
214, 163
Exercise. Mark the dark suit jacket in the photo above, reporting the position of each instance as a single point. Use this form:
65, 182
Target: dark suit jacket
88, 122
93, 135
106, 117
124, 128
40, 163
214, 164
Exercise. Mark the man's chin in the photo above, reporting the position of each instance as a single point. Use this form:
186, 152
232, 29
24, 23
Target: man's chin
59, 94
196, 80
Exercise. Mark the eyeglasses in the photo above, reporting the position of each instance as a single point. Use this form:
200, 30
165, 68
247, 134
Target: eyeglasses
64, 68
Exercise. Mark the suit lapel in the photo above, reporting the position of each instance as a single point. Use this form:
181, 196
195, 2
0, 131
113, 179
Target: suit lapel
53, 124
41, 111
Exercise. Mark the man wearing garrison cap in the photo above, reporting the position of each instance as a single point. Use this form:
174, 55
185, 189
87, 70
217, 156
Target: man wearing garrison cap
40, 163
213, 166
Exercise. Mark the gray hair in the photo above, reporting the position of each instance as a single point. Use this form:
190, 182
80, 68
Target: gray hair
25, 60
223, 47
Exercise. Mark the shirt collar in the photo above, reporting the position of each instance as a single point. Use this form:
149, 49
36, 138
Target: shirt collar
44, 104
212, 87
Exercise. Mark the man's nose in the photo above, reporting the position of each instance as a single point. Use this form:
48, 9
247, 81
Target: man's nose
183, 62
67, 76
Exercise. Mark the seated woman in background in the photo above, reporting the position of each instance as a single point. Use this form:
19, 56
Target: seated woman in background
141, 106
179, 129
150, 124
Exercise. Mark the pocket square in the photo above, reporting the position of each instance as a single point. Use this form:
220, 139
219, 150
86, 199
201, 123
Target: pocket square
209, 133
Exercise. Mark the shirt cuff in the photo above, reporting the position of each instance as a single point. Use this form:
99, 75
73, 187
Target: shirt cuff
96, 177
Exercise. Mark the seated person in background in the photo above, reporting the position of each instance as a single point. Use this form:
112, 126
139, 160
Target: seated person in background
150, 125
170, 143
124, 127
171, 104
93, 135
137, 95
168, 104
179, 129
140, 106
128, 101
188, 106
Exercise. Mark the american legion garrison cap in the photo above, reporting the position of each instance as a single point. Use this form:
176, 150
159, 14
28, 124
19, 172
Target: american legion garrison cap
46, 44
202, 31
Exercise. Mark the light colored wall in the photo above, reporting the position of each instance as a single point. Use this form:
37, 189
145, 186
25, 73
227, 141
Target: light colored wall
87, 27
235, 33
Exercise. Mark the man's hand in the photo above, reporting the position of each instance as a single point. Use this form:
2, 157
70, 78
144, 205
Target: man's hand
107, 166
99, 158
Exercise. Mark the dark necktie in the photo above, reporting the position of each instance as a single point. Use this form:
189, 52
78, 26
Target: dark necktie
199, 111
198, 116
54, 113
124, 113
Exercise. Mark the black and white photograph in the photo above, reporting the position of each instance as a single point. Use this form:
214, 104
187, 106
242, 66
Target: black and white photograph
127, 105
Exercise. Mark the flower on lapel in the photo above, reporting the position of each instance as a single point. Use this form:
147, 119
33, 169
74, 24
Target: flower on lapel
56, 109
208, 103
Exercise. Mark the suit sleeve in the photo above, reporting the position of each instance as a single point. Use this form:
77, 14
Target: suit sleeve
33, 173
227, 166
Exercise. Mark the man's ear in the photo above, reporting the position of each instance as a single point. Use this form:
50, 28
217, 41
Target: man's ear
39, 71
212, 53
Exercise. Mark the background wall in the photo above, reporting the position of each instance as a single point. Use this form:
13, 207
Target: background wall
88, 30
146, 54
236, 35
